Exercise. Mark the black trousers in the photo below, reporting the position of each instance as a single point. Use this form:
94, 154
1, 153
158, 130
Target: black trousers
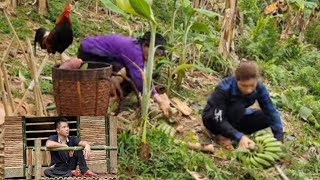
237, 117
116, 66
64, 169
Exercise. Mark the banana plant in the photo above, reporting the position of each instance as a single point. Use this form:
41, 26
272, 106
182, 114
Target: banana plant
174, 70
190, 21
143, 9
301, 11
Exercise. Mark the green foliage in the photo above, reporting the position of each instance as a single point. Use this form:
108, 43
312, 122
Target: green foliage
81, 26
168, 161
143, 8
163, 10
46, 86
113, 7
311, 34
251, 10
261, 40
56, 8
18, 23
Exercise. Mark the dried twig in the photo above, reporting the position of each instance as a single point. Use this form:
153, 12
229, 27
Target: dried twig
39, 98
34, 2
283, 176
197, 146
33, 72
27, 59
4, 96
97, 3
175, 92
31, 85
5, 75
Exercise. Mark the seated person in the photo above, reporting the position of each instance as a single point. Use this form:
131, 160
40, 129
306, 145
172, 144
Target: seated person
125, 52
227, 114
64, 163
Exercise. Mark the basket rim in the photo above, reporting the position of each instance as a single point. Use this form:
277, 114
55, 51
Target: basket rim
56, 66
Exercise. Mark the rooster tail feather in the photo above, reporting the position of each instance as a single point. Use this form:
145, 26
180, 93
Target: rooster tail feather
40, 33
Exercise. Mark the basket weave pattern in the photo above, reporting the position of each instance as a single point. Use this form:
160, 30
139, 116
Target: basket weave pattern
82, 92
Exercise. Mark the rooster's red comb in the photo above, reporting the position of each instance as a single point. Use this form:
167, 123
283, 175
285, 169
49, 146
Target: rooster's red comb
67, 7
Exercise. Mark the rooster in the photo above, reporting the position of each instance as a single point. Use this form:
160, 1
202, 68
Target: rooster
58, 39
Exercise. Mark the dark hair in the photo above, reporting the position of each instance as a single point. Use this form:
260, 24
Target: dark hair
145, 39
58, 121
247, 70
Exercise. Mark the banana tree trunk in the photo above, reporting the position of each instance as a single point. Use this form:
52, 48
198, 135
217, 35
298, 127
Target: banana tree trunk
43, 6
226, 45
310, 20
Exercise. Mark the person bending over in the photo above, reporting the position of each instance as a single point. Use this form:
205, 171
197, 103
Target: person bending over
127, 53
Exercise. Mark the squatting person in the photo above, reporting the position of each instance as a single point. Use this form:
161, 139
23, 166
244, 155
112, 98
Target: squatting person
228, 115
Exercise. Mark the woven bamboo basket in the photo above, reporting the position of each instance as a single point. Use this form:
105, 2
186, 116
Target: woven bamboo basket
82, 92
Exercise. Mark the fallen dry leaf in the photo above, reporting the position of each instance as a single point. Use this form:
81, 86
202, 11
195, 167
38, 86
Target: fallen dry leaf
272, 8
197, 176
181, 106
179, 128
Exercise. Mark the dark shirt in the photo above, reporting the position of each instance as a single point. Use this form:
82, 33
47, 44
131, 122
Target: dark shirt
226, 92
62, 157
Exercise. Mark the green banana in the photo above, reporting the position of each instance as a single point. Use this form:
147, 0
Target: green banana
273, 155
266, 157
84, 66
269, 150
262, 138
247, 159
259, 133
273, 149
254, 162
273, 144
269, 140
243, 158
262, 161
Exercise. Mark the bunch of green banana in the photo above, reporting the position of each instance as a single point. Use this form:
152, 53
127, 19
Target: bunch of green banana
266, 152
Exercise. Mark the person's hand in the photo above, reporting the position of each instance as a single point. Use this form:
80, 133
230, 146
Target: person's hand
246, 143
165, 107
164, 104
87, 151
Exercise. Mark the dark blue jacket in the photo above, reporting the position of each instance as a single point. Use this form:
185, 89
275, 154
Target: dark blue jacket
227, 91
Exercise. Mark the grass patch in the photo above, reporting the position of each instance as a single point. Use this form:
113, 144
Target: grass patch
18, 23
168, 161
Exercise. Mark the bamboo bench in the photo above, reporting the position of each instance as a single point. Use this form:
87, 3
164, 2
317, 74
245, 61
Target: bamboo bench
37, 158
21, 133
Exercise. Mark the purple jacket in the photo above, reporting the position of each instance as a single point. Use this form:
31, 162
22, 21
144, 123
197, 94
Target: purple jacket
125, 49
